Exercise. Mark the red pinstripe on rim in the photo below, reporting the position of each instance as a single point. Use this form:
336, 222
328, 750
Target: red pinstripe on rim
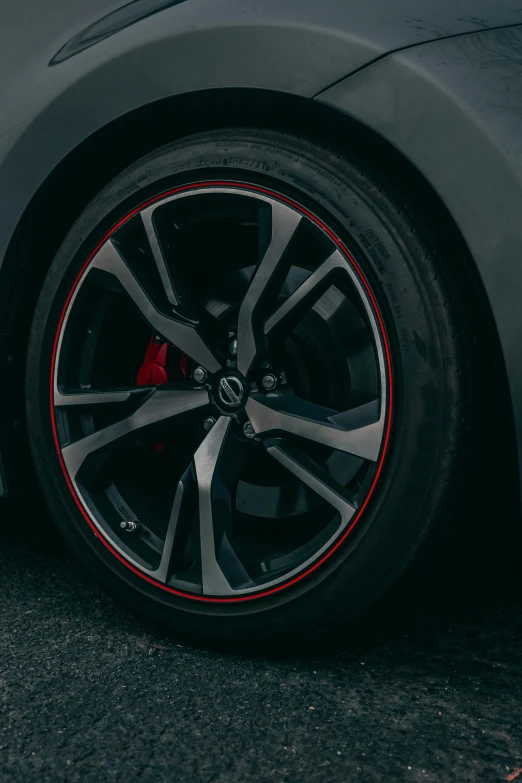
355, 266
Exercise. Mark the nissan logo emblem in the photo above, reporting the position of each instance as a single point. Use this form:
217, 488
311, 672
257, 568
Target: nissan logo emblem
230, 391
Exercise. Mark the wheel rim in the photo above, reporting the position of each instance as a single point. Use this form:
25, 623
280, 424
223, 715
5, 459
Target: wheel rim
235, 381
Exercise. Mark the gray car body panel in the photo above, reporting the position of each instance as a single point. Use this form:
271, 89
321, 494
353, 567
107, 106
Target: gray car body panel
152, 49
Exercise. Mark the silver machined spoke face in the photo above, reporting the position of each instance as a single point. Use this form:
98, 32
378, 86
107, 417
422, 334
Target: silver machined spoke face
283, 222
307, 293
179, 510
358, 431
318, 479
213, 501
166, 556
221, 391
89, 398
147, 217
160, 406
208, 487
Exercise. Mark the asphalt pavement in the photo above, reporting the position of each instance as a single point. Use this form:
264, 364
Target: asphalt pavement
88, 693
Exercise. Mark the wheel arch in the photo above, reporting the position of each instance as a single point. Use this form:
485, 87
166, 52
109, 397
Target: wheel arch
41, 229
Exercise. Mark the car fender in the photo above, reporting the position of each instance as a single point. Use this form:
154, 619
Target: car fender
454, 109
67, 74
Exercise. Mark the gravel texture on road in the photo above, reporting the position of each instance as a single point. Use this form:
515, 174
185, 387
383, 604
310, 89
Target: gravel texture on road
88, 693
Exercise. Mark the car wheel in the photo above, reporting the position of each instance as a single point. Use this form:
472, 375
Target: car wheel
245, 387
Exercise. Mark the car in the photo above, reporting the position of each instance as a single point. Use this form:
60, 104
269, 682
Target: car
260, 292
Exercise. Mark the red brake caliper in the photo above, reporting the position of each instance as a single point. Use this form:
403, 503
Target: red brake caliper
153, 371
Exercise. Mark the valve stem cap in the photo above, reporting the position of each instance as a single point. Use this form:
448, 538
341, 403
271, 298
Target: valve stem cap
130, 525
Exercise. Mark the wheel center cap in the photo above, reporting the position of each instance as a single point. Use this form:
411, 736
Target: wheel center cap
231, 391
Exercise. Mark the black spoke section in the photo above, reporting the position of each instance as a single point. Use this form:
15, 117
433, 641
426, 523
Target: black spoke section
217, 463
357, 431
315, 477
277, 225
160, 406
290, 312
183, 334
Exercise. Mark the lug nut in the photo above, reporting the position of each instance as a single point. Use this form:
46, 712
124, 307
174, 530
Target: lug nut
130, 525
208, 423
269, 381
200, 375
248, 431
233, 348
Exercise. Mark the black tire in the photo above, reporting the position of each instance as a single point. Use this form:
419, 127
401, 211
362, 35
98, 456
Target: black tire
415, 292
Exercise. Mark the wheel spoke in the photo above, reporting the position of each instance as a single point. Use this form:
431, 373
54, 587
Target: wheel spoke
217, 463
181, 514
160, 406
93, 398
289, 313
357, 431
183, 334
315, 477
157, 252
279, 223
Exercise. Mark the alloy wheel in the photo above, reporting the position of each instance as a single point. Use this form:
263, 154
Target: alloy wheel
221, 391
